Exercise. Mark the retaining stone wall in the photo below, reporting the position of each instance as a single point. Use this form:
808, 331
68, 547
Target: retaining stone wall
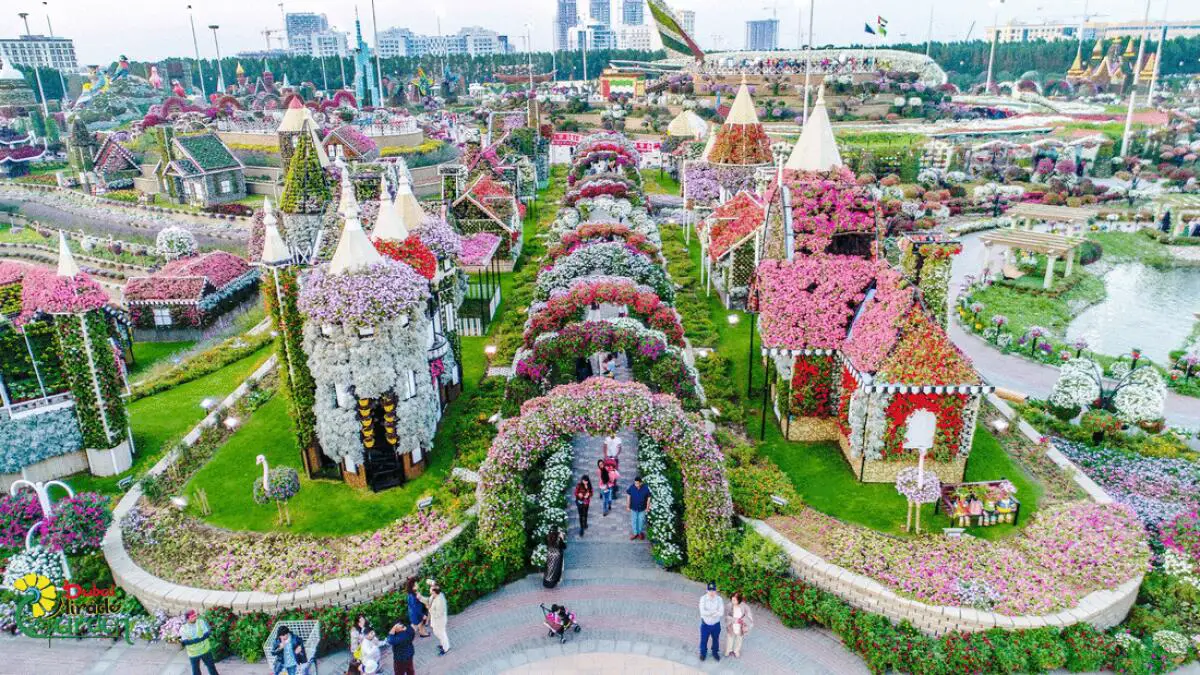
1102, 609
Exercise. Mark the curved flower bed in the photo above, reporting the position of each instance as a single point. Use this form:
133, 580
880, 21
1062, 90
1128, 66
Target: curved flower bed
604, 184
364, 298
600, 407
656, 363
588, 232
611, 259
167, 544
1068, 551
568, 306
1159, 489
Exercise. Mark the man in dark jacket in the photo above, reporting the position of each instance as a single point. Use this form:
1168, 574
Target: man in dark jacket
288, 653
400, 637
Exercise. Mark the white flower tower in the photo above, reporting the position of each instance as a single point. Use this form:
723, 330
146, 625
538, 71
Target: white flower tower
376, 407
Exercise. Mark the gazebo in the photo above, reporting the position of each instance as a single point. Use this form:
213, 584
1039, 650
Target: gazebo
1053, 246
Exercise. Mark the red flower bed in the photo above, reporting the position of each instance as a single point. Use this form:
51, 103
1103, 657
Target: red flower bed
946, 439
635, 241
849, 386
412, 252
731, 222
741, 144
569, 307
812, 386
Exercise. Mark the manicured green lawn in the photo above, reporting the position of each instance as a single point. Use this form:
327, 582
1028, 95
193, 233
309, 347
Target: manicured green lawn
1025, 309
322, 507
1132, 247
660, 183
158, 419
147, 354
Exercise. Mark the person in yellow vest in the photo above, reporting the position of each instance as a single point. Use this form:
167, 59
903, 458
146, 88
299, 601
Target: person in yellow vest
195, 639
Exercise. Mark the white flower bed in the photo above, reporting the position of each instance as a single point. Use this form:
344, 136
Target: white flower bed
551, 500
662, 524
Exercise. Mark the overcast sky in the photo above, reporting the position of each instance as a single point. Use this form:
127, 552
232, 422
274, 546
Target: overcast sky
145, 29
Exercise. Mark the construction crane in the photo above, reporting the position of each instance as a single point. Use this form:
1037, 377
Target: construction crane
268, 32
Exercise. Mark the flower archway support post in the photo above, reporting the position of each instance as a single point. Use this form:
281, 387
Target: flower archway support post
770, 376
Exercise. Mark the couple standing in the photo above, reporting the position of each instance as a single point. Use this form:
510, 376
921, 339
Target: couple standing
712, 613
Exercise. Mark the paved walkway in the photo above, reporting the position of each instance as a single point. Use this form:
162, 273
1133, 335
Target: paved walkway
1023, 375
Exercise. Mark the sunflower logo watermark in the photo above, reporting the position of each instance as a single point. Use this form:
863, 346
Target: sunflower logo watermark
43, 597
45, 610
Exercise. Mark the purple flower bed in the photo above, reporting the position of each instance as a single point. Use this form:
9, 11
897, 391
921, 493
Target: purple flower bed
367, 298
1158, 489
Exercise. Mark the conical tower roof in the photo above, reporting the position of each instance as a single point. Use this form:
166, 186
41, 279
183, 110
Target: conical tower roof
817, 148
275, 250
1129, 51
67, 267
389, 226
407, 205
294, 117
354, 251
687, 124
742, 111
1076, 68
349, 200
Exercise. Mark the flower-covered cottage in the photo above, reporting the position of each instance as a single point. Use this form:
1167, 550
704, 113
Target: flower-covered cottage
202, 171
856, 354
730, 240
188, 297
489, 205
62, 377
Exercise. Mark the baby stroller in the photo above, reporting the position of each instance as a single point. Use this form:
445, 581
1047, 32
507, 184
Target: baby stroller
558, 621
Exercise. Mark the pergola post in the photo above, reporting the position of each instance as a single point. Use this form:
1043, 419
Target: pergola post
1049, 271
1070, 261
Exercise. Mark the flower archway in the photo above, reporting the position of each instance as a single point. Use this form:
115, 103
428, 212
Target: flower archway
606, 259
600, 184
653, 361
600, 407
592, 232
570, 306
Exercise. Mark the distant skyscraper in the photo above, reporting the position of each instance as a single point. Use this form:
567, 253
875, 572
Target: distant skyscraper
687, 21
601, 10
632, 12
40, 50
762, 36
567, 16
300, 27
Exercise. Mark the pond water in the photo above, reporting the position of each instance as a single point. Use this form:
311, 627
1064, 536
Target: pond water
1149, 308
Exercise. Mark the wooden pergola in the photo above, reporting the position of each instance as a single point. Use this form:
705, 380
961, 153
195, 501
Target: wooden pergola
1027, 213
1053, 246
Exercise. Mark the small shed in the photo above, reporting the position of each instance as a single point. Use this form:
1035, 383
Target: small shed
188, 297
205, 171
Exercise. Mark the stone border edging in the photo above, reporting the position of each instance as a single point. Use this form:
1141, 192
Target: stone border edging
1102, 609
156, 593
1093, 489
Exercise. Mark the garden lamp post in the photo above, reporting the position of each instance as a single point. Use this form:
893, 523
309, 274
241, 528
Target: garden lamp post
196, 48
324, 77
62, 80
220, 70
987, 88
37, 72
1133, 87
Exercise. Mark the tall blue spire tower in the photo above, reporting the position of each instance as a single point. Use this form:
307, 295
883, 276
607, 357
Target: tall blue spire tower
364, 75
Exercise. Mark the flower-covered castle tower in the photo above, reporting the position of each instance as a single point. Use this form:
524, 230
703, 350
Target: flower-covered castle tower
741, 140
90, 356
366, 334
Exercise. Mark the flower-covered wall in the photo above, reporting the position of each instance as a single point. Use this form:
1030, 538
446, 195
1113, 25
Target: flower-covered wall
33, 438
96, 382
296, 376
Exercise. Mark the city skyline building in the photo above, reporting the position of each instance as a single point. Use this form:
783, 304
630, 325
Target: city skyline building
1052, 31
40, 50
633, 12
470, 41
635, 37
300, 27
565, 17
762, 35
687, 20
601, 10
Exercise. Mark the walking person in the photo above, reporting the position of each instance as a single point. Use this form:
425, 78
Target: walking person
583, 499
741, 620
438, 614
194, 635
287, 653
712, 611
608, 484
555, 545
418, 615
638, 502
357, 632
400, 638
370, 653
612, 450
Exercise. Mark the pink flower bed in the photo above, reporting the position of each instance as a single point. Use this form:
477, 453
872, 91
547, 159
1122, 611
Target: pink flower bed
478, 248
1068, 551
824, 204
809, 302
45, 291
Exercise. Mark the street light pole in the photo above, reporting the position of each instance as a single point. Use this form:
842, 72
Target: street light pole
1133, 87
220, 70
992, 53
37, 73
196, 47
812, 7
929, 35
1162, 39
63, 80
324, 78
378, 63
